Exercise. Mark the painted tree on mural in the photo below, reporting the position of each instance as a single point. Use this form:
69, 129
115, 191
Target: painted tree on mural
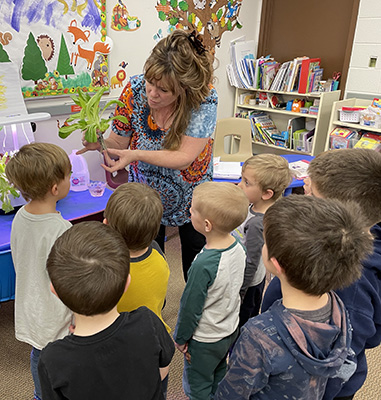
63, 63
210, 18
3, 55
33, 67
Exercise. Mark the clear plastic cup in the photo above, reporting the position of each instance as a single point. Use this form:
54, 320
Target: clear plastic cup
97, 188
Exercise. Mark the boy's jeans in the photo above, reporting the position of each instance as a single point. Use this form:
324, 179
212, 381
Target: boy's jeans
34, 357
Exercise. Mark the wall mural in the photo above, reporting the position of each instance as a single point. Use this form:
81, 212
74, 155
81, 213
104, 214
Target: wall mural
57, 45
209, 18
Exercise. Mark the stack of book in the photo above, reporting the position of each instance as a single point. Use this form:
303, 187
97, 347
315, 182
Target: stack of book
263, 127
302, 74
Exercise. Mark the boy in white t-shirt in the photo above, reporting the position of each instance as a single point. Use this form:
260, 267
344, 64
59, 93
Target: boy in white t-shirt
41, 171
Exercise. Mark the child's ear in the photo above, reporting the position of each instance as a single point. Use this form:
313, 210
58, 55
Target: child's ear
105, 221
54, 190
52, 289
208, 225
267, 194
277, 266
127, 283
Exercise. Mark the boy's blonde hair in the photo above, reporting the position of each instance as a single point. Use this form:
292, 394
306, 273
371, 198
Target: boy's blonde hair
224, 204
36, 167
350, 174
135, 211
270, 172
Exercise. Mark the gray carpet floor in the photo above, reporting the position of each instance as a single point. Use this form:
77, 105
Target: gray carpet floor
16, 382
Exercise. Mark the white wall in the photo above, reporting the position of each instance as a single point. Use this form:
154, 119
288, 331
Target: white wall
363, 81
134, 47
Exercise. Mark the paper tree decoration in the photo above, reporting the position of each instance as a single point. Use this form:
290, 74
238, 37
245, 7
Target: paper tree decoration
209, 18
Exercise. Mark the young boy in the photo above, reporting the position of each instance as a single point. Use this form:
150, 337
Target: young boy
313, 246
110, 355
355, 175
264, 179
135, 211
41, 171
207, 323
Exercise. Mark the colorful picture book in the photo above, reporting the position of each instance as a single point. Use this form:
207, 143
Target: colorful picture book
263, 128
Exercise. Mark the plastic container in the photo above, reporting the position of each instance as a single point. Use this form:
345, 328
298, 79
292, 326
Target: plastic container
97, 188
80, 178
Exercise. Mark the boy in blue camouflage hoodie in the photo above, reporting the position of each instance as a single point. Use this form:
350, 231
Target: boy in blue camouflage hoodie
291, 350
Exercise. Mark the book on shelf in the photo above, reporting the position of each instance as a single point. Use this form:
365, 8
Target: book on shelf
242, 54
306, 67
275, 100
267, 73
263, 127
278, 80
369, 141
294, 73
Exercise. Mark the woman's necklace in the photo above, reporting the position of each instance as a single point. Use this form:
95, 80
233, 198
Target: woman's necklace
162, 120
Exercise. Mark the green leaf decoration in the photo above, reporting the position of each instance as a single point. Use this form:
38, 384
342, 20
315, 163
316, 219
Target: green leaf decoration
229, 25
238, 25
163, 2
173, 21
174, 4
183, 5
219, 14
162, 16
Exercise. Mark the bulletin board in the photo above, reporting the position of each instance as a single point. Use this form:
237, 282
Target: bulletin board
58, 46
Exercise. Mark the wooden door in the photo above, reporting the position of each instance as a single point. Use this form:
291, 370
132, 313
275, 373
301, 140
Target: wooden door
313, 28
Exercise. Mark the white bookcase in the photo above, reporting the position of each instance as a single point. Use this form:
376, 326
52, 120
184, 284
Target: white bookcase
281, 118
335, 122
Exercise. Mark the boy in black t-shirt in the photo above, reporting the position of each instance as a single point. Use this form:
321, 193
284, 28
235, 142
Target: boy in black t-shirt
110, 355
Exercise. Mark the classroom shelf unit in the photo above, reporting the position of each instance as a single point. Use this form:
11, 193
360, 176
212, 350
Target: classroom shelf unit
281, 118
335, 122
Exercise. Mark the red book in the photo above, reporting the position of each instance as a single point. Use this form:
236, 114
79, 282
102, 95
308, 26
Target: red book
305, 68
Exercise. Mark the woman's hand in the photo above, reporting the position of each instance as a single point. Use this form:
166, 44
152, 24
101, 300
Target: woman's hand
125, 157
88, 146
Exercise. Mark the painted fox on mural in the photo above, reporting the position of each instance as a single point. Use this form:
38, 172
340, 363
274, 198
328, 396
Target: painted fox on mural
88, 55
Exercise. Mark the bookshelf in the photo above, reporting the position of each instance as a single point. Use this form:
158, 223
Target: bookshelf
335, 122
281, 118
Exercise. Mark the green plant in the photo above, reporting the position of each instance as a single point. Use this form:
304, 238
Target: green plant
6, 189
89, 120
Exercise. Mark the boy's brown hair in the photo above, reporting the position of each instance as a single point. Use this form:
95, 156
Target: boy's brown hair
135, 211
350, 174
36, 168
222, 203
88, 266
319, 243
270, 172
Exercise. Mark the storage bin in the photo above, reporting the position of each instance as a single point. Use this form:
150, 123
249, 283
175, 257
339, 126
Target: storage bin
350, 114
7, 276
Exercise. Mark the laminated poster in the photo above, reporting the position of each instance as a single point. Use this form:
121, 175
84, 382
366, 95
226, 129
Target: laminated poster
57, 46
